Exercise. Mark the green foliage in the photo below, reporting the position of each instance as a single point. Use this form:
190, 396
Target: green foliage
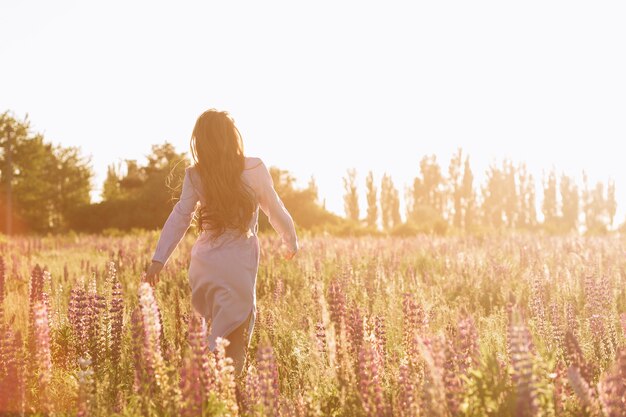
47, 181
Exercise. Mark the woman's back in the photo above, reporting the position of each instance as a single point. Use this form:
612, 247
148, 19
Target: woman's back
257, 177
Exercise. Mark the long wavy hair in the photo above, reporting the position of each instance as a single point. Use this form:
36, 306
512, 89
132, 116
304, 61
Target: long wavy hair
217, 150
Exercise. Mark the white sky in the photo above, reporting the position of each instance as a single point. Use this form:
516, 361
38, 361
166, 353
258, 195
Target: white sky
319, 87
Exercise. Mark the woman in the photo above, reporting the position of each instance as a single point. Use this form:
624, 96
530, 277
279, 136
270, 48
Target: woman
225, 256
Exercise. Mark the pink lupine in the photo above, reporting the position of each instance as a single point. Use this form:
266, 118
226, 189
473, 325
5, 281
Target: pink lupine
117, 321
611, 393
12, 377
2, 282
432, 351
43, 356
522, 363
152, 354
584, 393
85, 387
225, 376
196, 378
407, 404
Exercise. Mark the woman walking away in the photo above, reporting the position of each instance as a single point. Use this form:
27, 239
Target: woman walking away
225, 257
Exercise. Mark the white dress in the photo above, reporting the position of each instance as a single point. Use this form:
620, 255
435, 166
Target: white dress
222, 274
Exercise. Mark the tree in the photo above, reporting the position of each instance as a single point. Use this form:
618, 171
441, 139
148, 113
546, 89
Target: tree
372, 201
351, 196
494, 197
389, 203
611, 202
48, 182
549, 207
467, 195
455, 185
569, 203
526, 193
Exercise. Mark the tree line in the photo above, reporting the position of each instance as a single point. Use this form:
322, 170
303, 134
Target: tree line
436, 202
46, 188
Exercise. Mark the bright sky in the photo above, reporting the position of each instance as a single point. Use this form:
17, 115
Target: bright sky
319, 87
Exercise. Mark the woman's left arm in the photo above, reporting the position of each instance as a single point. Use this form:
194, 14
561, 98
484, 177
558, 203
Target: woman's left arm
178, 221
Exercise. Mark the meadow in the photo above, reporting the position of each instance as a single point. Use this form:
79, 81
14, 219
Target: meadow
371, 326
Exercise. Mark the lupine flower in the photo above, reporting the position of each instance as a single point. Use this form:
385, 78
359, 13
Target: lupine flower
433, 393
522, 363
2, 282
85, 387
152, 354
43, 356
336, 302
117, 320
196, 377
584, 393
225, 376
611, 393
12, 381
320, 337
574, 356
370, 378
407, 405
268, 379
250, 392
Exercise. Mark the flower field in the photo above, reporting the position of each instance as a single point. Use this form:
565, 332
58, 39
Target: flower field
425, 326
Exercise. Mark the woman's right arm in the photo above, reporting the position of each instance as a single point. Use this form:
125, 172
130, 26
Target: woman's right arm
277, 214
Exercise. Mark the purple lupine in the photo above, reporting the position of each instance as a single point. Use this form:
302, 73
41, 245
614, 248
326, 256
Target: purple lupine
574, 356
380, 331
250, 392
370, 376
451, 376
354, 328
337, 302
96, 343
467, 344
320, 337
267, 371
77, 313
414, 322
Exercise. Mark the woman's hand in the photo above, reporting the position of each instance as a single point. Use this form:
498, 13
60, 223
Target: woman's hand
291, 252
152, 274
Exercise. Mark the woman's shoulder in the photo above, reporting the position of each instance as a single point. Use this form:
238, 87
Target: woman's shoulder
252, 162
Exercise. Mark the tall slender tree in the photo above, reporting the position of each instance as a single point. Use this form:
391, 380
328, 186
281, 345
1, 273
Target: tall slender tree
372, 201
351, 196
